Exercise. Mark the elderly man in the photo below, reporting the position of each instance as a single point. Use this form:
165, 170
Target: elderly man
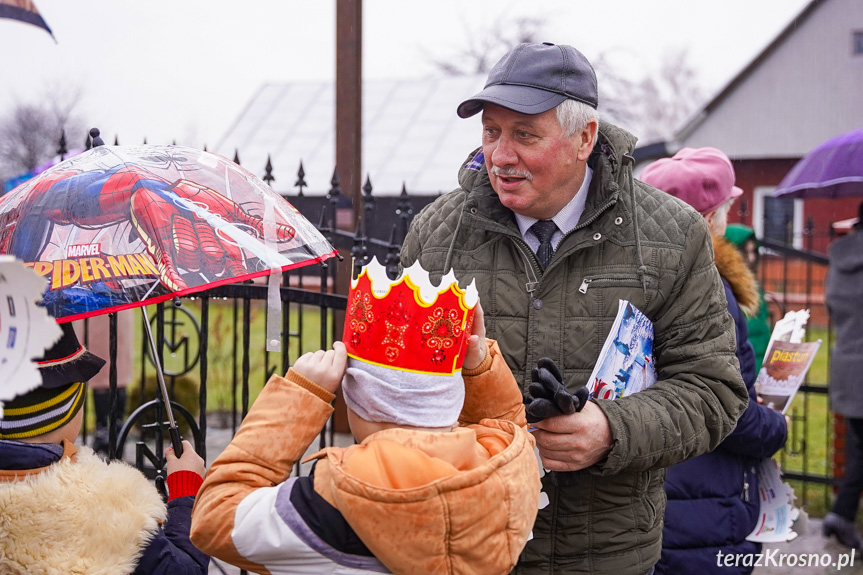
554, 228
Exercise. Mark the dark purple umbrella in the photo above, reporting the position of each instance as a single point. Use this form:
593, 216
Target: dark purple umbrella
834, 169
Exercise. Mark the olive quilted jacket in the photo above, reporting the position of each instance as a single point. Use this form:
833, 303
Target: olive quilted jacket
635, 243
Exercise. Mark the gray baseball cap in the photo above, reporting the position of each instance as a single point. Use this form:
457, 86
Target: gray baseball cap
534, 78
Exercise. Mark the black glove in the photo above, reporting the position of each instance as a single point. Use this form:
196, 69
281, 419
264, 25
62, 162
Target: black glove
547, 395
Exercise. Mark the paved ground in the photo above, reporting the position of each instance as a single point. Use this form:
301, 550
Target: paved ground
810, 542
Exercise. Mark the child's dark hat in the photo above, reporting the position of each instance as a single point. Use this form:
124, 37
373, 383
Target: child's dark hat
65, 370
68, 361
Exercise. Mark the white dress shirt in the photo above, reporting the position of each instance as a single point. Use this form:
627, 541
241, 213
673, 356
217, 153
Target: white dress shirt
566, 219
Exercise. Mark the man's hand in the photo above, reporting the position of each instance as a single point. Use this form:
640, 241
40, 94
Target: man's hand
325, 368
573, 442
189, 461
476, 346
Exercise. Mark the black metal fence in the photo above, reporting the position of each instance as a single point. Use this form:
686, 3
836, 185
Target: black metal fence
793, 279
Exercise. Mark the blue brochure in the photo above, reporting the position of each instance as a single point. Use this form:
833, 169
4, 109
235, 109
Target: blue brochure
625, 364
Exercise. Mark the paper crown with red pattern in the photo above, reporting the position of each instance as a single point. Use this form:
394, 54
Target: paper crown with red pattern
409, 324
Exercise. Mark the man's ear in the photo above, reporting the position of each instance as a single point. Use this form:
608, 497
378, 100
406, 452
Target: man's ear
587, 138
709, 217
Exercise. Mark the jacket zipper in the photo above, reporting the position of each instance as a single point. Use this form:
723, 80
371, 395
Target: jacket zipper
585, 283
746, 485
592, 218
533, 280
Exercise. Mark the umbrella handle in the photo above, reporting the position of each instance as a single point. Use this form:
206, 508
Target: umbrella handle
176, 441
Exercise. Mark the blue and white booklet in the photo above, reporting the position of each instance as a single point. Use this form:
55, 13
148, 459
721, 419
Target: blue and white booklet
625, 364
777, 515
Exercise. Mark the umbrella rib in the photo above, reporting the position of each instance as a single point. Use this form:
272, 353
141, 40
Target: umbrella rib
844, 180
149, 291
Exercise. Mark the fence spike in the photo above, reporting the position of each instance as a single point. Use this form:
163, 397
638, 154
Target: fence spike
369, 203
301, 181
333, 197
391, 260
359, 251
268, 172
61, 147
404, 210
334, 183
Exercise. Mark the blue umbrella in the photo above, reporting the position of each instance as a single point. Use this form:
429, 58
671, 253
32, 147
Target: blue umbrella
834, 169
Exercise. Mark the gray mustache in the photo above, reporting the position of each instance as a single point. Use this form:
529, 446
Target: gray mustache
496, 171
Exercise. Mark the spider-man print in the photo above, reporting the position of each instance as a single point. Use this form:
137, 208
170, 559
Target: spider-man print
175, 220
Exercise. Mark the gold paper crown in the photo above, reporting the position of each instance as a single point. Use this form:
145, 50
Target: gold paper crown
409, 324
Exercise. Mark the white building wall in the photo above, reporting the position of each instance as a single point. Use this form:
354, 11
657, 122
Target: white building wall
807, 90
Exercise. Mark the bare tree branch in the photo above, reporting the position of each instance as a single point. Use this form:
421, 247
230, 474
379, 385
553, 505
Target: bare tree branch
654, 107
487, 45
30, 131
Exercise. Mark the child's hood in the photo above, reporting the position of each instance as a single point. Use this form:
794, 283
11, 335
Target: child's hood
458, 502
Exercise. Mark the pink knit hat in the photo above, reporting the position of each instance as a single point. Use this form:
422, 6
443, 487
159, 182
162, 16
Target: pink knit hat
701, 177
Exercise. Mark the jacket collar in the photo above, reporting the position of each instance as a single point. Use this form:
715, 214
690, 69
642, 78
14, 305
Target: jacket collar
21, 458
732, 267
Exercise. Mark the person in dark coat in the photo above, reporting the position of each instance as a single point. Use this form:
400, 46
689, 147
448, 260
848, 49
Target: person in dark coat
844, 292
713, 498
67, 511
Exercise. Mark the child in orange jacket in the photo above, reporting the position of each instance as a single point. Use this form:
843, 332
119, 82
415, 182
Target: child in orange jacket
443, 480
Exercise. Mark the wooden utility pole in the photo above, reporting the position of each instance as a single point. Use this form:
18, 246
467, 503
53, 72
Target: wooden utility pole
349, 146
349, 91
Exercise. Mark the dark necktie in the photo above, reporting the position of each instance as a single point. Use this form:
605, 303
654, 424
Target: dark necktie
543, 230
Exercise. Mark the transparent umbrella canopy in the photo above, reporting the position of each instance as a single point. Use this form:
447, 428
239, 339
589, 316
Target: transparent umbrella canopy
118, 227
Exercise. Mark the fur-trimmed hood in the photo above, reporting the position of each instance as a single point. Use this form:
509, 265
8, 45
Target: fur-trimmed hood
732, 267
78, 516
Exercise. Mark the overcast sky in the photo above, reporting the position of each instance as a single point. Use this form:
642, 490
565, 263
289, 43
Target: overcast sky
184, 69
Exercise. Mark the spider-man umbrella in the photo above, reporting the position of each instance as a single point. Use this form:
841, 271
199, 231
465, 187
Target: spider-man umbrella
123, 226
